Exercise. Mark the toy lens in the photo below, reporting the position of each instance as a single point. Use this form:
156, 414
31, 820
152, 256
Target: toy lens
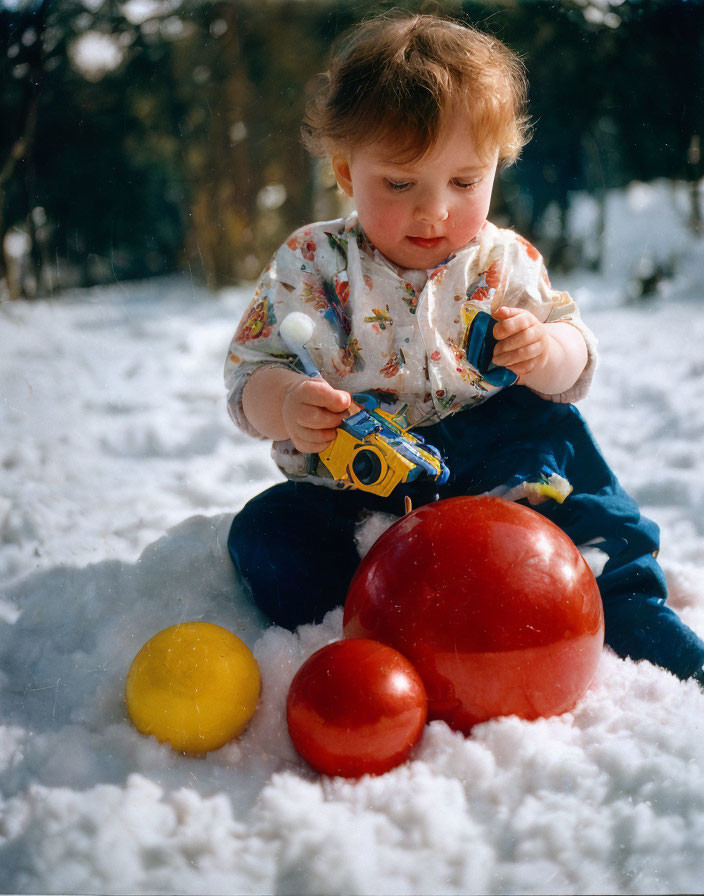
366, 466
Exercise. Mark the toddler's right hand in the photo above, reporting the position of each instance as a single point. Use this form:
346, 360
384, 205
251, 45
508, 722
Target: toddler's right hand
311, 411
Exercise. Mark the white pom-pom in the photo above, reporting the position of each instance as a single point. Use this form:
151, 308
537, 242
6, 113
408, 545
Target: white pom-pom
296, 329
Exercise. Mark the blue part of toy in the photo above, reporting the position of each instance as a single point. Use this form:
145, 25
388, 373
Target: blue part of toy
421, 464
361, 424
444, 472
307, 363
480, 350
365, 400
410, 452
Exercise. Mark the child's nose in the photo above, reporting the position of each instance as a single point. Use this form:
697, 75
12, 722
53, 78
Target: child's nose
432, 209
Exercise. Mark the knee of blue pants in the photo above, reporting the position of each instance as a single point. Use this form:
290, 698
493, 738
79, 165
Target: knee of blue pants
647, 629
293, 546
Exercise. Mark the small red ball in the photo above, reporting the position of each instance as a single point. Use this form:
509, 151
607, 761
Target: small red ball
491, 602
356, 707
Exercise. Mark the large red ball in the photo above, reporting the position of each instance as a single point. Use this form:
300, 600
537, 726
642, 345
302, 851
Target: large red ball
492, 603
356, 707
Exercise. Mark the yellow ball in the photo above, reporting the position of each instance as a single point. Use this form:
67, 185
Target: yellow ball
193, 685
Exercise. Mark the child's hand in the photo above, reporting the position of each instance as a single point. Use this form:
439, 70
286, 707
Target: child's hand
312, 410
523, 344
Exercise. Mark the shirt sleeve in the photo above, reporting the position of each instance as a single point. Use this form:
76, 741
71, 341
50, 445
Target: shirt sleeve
525, 284
300, 277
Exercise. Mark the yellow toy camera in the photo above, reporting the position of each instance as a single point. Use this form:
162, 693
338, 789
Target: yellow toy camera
371, 451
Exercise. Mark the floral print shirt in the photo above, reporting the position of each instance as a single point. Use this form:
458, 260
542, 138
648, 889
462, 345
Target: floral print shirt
399, 336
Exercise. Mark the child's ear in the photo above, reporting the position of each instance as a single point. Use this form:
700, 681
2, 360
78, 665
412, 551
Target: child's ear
341, 169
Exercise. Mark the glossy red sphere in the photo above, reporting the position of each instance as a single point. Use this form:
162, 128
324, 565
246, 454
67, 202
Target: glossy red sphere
491, 602
356, 707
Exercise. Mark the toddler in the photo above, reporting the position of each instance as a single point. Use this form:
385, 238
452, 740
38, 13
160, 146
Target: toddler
417, 115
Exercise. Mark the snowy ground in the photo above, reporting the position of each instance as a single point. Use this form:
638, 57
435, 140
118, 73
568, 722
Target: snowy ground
119, 473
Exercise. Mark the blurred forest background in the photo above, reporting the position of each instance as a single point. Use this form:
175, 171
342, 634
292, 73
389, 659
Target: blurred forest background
145, 137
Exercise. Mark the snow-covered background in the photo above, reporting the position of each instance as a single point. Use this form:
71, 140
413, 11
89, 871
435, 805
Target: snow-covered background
119, 475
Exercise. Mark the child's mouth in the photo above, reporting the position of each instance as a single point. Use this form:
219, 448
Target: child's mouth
426, 242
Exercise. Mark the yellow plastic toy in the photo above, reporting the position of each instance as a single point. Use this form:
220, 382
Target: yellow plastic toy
372, 452
194, 686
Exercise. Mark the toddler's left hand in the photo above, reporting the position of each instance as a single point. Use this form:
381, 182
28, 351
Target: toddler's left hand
523, 343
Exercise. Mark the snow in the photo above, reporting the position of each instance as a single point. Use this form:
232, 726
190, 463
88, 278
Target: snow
120, 473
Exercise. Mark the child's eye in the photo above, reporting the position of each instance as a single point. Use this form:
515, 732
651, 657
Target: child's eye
465, 184
398, 187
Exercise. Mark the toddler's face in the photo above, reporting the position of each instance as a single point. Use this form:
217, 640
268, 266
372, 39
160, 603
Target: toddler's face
418, 213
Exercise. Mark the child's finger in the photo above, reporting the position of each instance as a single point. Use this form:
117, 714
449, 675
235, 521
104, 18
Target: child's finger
323, 395
517, 356
509, 321
505, 311
320, 441
523, 369
311, 441
517, 341
338, 401
317, 418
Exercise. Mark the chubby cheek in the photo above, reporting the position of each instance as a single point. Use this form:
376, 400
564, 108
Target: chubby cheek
384, 223
468, 220
466, 226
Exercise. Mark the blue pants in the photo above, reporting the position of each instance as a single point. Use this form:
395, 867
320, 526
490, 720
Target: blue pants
294, 543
